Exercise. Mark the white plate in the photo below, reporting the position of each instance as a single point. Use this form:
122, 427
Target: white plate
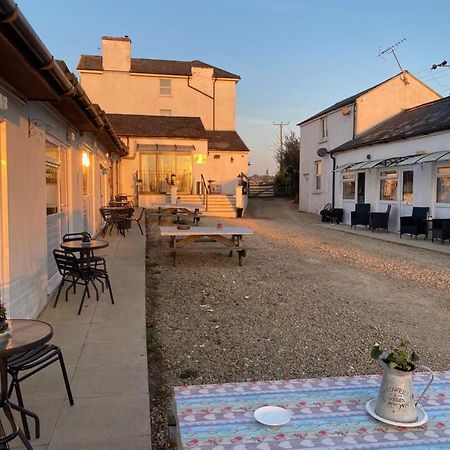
272, 415
422, 416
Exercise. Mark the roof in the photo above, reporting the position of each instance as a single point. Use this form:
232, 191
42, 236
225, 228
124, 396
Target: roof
156, 66
348, 101
225, 141
157, 126
423, 119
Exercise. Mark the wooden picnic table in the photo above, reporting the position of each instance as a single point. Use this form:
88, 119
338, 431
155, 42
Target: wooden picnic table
179, 208
186, 240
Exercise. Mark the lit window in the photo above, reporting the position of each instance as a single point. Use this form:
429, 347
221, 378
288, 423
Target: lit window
388, 185
165, 112
348, 186
165, 87
318, 174
55, 177
323, 128
408, 184
443, 185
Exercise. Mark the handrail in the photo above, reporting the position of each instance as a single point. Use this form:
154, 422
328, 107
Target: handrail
205, 192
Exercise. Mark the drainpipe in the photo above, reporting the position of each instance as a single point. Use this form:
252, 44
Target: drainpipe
334, 180
207, 95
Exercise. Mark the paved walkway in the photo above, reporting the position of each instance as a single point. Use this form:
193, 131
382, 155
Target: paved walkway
420, 242
105, 353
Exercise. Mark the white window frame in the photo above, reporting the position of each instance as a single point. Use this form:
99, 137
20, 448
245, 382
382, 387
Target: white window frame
438, 177
387, 177
165, 86
324, 128
351, 178
318, 168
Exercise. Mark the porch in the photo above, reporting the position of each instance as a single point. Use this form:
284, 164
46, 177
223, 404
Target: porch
105, 353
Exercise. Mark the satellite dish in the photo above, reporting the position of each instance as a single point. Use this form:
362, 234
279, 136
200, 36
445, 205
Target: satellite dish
322, 152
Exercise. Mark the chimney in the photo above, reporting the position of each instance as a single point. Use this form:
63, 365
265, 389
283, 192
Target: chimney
116, 53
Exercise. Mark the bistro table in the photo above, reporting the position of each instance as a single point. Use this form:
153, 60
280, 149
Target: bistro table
85, 248
22, 335
326, 413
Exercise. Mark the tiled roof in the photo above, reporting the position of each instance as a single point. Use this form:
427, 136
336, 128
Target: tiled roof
157, 126
156, 66
347, 101
424, 119
225, 140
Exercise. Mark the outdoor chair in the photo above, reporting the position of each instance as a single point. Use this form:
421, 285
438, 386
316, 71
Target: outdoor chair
74, 273
137, 219
29, 363
440, 229
361, 215
91, 260
416, 223
380, 220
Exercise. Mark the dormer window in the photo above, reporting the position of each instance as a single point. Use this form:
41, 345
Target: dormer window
165, 87
323, 128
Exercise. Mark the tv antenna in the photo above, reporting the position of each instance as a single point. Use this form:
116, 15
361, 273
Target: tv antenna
391, 51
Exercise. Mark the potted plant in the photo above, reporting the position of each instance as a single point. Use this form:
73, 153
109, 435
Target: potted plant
395, 400
3, 318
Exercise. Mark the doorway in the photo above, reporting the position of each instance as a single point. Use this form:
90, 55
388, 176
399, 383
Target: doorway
361, 194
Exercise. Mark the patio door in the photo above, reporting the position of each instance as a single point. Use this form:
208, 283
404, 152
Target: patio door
406, 197
361, 188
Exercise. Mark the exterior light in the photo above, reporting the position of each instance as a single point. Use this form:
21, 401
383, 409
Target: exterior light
85, 160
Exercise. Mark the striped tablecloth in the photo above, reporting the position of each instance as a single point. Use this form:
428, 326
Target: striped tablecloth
326, 413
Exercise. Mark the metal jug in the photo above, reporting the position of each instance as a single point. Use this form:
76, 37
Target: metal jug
396, 397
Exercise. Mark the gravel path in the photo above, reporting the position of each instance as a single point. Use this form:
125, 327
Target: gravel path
307, 302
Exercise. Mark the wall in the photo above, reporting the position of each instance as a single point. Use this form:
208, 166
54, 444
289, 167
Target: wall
424, 177
340, 130
389, 99
225, 172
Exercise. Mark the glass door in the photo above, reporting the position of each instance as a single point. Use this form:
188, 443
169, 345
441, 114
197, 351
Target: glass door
361, 197
407, 192
184, 173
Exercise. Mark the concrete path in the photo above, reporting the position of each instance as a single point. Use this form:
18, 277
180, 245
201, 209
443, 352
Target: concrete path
105, 353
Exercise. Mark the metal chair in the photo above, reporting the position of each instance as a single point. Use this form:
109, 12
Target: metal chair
31, 362
74, 273
380, 220
91, 260
361, 215
416, 223
138, 219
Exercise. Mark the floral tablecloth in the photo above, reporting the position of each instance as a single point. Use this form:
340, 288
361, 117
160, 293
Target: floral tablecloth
326, 413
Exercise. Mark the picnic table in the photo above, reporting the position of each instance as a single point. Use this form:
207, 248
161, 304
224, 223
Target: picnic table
184, 240
326, 413
178, 209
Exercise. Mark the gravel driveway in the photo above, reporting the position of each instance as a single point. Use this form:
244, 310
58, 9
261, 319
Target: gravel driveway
308, 301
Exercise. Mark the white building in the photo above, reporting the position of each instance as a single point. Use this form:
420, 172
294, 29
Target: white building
55, 171
342, 123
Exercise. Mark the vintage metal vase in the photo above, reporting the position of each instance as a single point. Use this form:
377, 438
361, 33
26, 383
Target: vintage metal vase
396, 397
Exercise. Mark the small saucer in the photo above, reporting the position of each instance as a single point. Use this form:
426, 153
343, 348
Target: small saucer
272, 415
422, 416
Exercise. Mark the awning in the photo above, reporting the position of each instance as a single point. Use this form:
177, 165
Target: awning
165, 148
395, 161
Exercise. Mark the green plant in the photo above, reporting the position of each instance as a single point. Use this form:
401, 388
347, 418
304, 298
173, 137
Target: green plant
2, 311
400, 358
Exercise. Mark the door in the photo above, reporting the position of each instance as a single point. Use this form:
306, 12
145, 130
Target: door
361, 194
406, 197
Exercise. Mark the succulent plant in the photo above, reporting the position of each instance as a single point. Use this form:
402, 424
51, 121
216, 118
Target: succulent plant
400, 357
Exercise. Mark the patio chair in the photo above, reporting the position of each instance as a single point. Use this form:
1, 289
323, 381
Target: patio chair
380, 220
137, 219
74, 273
416, 223
105, 212
361, 215
29, 363
91, 260
440, 229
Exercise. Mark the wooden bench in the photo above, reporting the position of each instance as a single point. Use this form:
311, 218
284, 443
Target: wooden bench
241, 251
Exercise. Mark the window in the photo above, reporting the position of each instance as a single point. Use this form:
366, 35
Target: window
165, 112
318, 175
388, 185
55, 178
408, 183
348, 186
443, 185
165, 87
323, 128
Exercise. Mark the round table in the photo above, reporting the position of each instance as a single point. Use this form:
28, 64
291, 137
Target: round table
85, 248
21, 335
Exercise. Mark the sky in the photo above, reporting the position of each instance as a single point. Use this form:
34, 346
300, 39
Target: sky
295, 57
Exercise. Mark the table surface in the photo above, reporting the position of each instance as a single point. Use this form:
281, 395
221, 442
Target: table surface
24, 334
93, 244
326, 413
205, 231
179, 206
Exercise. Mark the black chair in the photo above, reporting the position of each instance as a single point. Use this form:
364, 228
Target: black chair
31, 362
74, 273
440, 229
137, 219
416, 223
361, 215
91, 260
380, 220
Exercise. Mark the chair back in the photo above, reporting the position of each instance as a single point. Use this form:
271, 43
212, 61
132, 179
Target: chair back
388, 209
105, 213
140, 215
362, 208
76, 236
420, 212
66, 262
